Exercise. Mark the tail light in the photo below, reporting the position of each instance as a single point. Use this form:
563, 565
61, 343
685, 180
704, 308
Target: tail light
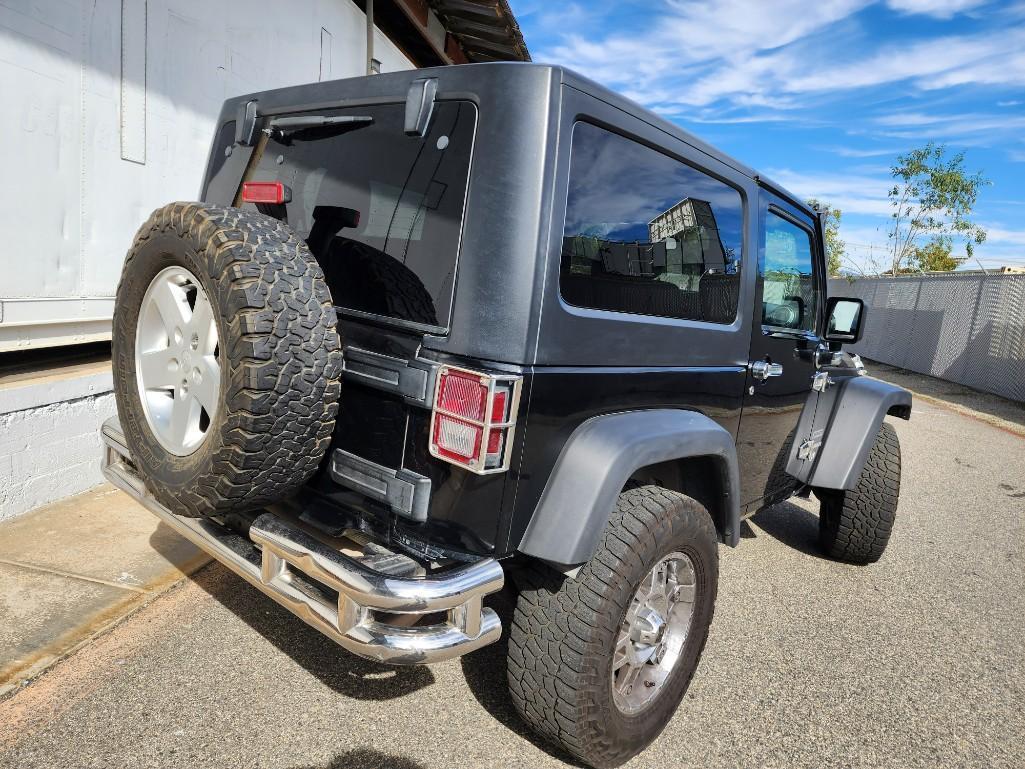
473, 419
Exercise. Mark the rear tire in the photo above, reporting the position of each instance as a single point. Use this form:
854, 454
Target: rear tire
278, 358
855, 525
563, 658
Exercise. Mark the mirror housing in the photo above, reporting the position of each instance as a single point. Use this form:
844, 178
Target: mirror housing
845, 320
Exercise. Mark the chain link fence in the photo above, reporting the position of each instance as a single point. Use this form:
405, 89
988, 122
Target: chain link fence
968, 329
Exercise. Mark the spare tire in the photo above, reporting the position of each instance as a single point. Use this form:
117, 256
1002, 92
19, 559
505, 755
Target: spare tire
227, 359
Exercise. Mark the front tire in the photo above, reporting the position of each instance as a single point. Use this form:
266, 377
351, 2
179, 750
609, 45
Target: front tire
855, 525
566, 646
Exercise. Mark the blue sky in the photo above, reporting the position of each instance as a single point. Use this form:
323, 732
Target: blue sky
820, 96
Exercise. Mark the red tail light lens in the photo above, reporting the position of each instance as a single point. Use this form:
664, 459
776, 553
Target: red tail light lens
467, 407
498, 404
463, 394
265, 192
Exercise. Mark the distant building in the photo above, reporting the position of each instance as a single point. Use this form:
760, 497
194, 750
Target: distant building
692, 224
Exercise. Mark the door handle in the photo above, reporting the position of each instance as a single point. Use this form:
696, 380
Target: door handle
762, 369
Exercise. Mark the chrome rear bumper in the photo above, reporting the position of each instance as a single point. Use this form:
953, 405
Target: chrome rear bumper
373, 613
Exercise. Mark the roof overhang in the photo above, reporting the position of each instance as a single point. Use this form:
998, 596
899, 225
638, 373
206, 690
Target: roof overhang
437, 32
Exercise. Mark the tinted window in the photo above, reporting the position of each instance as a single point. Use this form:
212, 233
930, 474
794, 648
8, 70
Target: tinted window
381, 211
789, 289
648, 234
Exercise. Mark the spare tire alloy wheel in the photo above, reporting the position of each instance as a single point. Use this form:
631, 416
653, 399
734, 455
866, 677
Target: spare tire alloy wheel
176, 360
227, 359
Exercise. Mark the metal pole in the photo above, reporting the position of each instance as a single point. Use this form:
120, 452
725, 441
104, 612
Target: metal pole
370, 37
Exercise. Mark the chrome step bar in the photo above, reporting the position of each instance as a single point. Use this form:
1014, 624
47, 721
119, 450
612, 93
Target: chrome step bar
373, 613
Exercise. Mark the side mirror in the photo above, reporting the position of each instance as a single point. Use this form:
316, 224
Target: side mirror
845, 319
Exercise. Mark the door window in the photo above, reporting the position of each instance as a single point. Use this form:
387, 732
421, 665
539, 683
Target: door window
647, 234
786, 272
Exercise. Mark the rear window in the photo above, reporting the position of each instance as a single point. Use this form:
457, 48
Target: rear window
381, 211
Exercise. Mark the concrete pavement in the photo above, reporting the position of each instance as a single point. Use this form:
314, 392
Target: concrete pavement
917, 661
72, 569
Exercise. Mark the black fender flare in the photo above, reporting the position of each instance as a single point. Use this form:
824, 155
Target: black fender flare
596, 462
855, 407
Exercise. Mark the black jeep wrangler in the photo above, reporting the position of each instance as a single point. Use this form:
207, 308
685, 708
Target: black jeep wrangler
433, 329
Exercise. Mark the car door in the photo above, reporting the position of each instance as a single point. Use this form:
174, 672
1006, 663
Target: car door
789, 302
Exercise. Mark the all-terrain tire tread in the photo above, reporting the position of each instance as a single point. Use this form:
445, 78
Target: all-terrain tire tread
554, 635
282, 352
855, 525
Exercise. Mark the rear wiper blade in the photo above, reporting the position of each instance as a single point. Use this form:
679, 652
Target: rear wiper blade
314, 126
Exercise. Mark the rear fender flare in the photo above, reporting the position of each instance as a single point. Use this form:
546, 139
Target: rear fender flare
599, 458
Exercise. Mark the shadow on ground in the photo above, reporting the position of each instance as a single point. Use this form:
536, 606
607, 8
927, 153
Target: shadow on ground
345, 673
365, 758
792, 525
358, 678
484, 671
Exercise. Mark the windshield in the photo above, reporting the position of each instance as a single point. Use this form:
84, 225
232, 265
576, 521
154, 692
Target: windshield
381, 211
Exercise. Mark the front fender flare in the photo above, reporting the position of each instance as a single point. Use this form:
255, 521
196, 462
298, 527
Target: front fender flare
855, 407
599, 458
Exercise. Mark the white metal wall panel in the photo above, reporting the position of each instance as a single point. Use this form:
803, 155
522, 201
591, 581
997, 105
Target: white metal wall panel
40, 74
133, 80
111, 125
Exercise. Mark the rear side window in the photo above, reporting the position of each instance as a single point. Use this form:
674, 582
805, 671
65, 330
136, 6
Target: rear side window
381, 211
647, 234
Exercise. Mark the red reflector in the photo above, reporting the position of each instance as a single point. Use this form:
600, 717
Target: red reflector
497, 417
265, 192
498, 406
463, 395
494, 441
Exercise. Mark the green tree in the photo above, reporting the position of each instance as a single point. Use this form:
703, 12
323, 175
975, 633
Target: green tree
835, 247
933, 197
935, 256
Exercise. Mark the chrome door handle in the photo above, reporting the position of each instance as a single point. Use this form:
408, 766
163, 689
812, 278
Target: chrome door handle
762, 369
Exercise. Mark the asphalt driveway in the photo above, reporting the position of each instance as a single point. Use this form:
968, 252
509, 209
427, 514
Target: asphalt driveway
917, 661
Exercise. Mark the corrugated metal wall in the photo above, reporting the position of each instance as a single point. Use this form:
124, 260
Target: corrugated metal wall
968, 329
109, 108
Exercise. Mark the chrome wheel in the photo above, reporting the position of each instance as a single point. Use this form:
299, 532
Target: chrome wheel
653, 633
177, 360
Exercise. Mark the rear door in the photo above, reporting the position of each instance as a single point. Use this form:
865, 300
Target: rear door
789, 300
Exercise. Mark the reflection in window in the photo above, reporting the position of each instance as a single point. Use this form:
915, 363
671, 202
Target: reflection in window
789, 296
647, 234
381, 211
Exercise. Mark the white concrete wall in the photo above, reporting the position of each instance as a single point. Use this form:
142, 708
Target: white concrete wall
110, 109
49, 437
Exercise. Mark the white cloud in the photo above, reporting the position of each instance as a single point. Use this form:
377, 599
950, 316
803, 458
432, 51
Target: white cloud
998, 235
695, 53
749, 55
1005, 68
853, 152
850, 192
967, 129
935, 63
942, 9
